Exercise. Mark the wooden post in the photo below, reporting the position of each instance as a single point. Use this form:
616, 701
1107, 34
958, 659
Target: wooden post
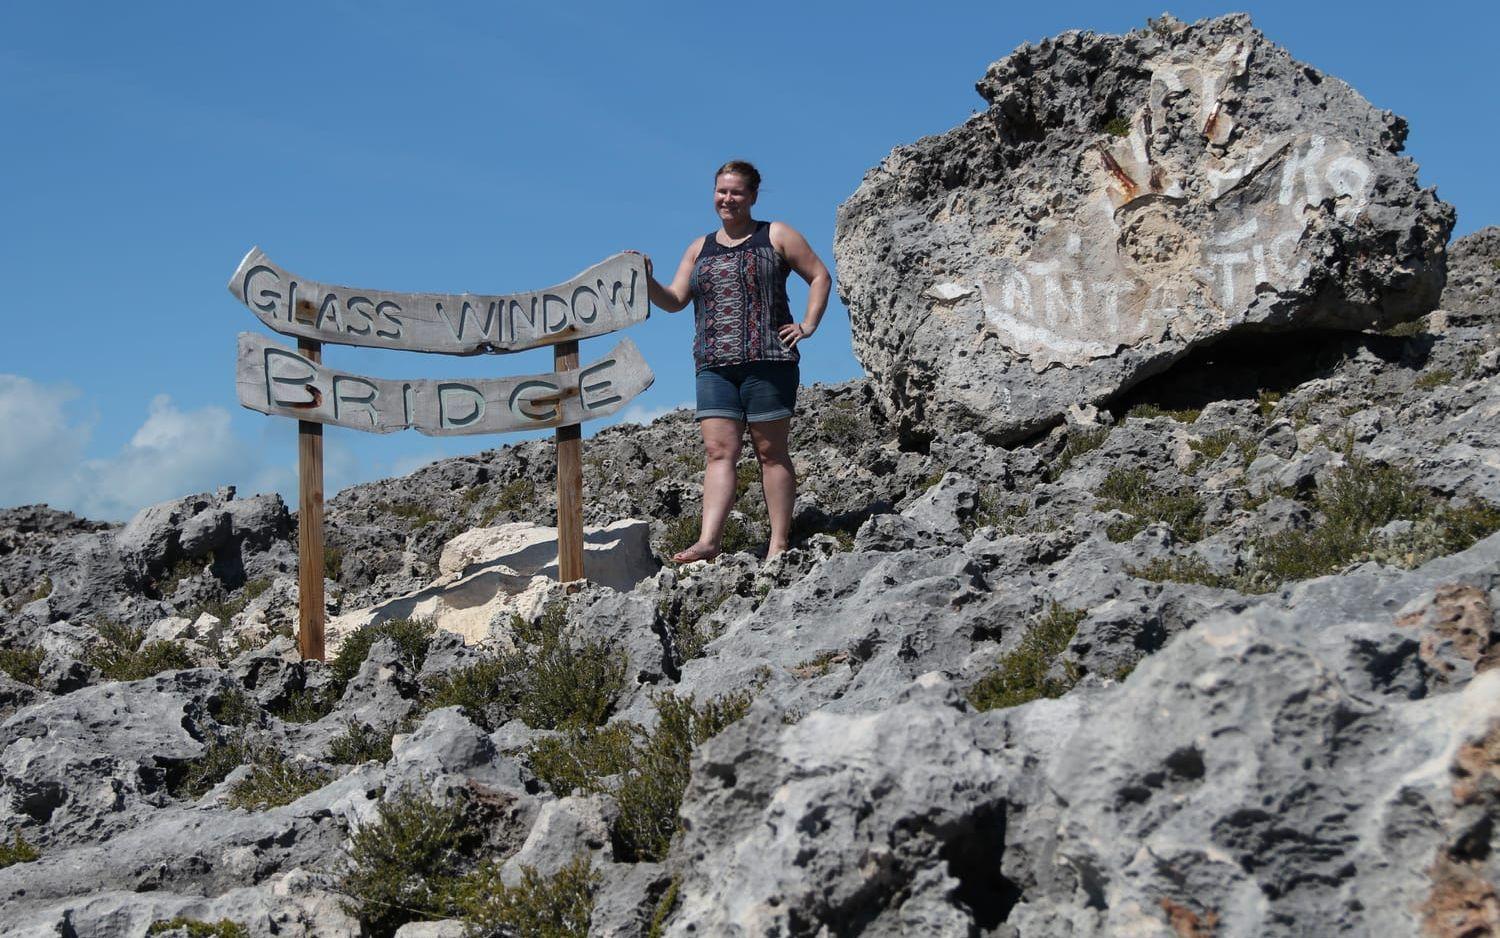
310, 604
569, 481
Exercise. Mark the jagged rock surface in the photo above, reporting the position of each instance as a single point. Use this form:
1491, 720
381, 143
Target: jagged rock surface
1122, 201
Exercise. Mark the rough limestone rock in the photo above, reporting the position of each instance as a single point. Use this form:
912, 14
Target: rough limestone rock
1122, 201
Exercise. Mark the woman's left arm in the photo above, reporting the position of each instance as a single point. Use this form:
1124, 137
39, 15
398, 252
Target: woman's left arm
805, 261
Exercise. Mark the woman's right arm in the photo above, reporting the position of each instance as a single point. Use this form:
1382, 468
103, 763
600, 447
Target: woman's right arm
679, 294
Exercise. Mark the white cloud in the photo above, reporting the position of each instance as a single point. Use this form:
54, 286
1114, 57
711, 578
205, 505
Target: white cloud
173, 453
635, 413
36, 439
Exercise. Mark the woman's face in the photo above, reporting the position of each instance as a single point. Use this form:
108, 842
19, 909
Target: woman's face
732, 197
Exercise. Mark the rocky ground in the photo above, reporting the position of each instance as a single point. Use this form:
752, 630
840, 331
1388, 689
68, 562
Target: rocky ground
1213, 657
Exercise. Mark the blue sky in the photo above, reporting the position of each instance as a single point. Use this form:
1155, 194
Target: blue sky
491, 148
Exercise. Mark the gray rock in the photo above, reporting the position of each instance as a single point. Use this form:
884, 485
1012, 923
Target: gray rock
1123, 200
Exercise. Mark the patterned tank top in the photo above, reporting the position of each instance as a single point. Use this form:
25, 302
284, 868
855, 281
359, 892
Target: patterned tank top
739, 301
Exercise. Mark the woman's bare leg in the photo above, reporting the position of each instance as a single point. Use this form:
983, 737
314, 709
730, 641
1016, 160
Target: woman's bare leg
721, 449
778, 479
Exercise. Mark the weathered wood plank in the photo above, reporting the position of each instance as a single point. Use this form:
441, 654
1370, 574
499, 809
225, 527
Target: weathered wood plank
608, 296
310, 600
274, 379
569, 481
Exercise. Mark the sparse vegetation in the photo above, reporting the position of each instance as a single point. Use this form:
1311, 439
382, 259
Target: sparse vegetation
1131, 491
556, 906
120, 656
234, 707
1266, 403
43, 589
685, 619
1190, 569
1434, 379
652, 766
412, 637
333, 563
275, 780
361, 743
1117, 127
416, 513
1079, 443
304, 705
23, 664
552, 680
682, 533
197, 928
200, 775
843, 426
226, 609
1148, 411
1023, 674
516, 496
405, 866
1211, 446
17, 851
664, 909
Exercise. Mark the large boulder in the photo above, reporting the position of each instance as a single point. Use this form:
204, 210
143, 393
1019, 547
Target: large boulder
1123, 200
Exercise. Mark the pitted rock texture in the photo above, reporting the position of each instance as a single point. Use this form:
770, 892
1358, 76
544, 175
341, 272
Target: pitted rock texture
1122, 201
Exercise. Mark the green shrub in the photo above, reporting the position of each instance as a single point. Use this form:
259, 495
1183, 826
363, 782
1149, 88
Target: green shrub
1117, 127
120, 656
404, 866
1148, 411
234, 707
678, 535
275, 780
305, 706
1266, 402
333, 563
685, 619
200, 775
43, 590
412, 637
419, 515
1022, 674
652, 767
1131, 491
664, 909
1079, 443
1189, 569
1405, 330
1434, 379
551, 680
556, 906
1213, 445
360, 744
197, 928
17, 851
843, 427
517, 496
23, 664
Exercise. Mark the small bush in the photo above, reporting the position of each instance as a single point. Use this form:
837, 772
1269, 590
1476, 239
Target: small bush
1434, 379
412, 637
17, 851
197, 928
685, 621
556, 906
23, 664
843, 427
1148, 411
1079, 443
652, 766
679, 534
43, 589
1266, 403
1022, 674
552, 680
419, 515
1117, 127
333, 563
200, 775
234, 708
1405, 330
516, 497
305, 706
360, 744
1182, 570
275, 780
664, 909
404, 866
1213, 445
1131, 491
120, 656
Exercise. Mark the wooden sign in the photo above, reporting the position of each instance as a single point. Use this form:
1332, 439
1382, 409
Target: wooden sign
608, 296
274, 379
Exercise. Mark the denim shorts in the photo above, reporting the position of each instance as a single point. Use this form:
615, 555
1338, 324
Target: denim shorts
751, 392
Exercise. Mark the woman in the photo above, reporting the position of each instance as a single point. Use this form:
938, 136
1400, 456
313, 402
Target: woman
745, 349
